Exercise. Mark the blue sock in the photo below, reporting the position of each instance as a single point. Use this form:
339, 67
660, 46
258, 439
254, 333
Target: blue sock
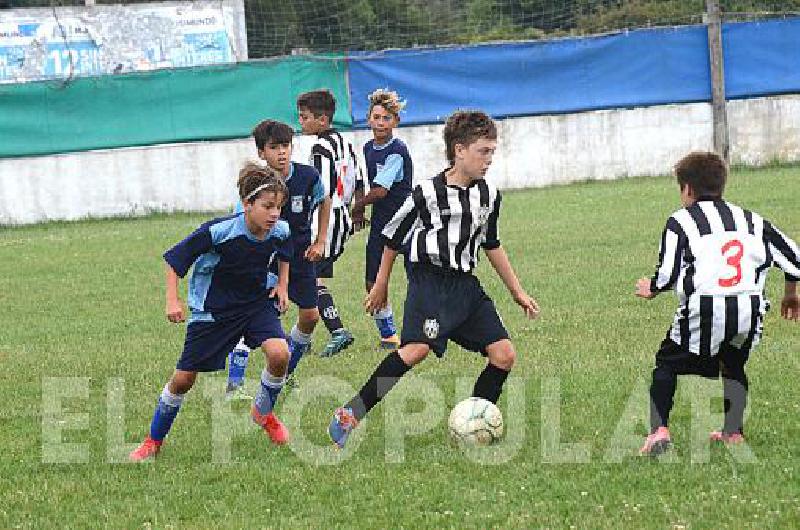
299, 344
237, 364
268, 392
384, 320
167, 408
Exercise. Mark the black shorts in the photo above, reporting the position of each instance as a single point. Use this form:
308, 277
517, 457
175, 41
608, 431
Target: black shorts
684, 362
443, 305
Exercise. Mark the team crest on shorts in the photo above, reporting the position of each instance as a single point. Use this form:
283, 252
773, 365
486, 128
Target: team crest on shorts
431, 328
297, 204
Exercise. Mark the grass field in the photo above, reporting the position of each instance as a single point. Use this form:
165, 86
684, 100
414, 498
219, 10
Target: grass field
85, 300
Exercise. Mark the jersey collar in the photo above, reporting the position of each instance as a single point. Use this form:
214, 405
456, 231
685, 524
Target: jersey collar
381, 147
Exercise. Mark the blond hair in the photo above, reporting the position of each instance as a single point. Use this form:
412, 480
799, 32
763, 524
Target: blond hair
388, 99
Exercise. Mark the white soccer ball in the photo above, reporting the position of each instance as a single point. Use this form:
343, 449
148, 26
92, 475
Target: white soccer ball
475, 421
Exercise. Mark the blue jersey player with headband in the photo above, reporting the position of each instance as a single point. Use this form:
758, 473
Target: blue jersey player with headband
227, 300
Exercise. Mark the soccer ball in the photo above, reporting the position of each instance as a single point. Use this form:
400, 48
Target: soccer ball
475, 421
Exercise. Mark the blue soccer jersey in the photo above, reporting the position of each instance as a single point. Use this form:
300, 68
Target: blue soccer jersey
305, 194
388, 166
230, 265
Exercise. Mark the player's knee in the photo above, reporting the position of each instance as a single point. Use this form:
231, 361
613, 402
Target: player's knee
182, 381
277, 353
502, 354
308, 319
414, 353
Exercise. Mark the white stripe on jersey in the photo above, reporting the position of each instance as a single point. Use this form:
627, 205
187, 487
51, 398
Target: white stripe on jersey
715, 255
329, 151
447, 224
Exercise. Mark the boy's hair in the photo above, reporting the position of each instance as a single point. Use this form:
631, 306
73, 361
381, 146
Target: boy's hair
705, 172
255, 179
464, 127
387, 99
272, 132
319, 102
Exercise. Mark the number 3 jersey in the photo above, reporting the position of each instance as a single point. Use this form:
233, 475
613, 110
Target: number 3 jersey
716, 256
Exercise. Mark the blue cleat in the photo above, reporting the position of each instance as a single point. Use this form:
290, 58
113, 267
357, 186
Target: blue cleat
340, 340
342, 423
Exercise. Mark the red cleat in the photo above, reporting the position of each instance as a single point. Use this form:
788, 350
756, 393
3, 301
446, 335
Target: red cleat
657, 443
727, 438
148, 449
276, 430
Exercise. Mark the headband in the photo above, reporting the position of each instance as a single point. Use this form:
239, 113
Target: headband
257, 190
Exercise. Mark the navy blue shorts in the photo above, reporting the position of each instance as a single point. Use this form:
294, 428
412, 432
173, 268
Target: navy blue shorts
207, 344
303, 284
302, 281
325, 267
442, 306
375, 244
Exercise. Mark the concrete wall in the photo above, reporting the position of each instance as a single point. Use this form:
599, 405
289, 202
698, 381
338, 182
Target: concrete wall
533, 151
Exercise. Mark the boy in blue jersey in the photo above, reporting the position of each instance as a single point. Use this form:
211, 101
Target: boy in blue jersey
229, 257
390, 174
274, 144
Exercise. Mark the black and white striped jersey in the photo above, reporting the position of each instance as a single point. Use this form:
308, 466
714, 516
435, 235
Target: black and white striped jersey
335, 159
716, 256
447, 224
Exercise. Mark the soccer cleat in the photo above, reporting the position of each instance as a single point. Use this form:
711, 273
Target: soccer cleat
727, 438
274, 428
340, 340
237, 393
390, 343
342, 423
148, 449
657, 443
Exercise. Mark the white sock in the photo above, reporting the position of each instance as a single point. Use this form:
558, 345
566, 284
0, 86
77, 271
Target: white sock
299, 337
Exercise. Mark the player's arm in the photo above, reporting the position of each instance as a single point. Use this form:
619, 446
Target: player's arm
323, 162
786, 256
499, 260
281, 289
378, 296
670, 256
316, 251
360, 220
395, 233
391, 172
283, 253
174, 306
179, 259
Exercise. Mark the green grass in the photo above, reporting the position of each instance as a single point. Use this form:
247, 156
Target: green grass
85, 299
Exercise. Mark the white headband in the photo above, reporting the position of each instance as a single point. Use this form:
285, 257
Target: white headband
257, 190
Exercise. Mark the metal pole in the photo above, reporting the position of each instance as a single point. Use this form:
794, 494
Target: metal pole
718, 104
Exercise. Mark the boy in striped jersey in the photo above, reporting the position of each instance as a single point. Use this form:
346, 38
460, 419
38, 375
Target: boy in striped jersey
715, 255
335, 160
448, 218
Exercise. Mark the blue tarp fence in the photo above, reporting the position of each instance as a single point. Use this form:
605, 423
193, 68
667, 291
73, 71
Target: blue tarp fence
629, 69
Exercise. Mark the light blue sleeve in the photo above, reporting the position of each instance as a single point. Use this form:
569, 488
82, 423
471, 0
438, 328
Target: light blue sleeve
239, 208
391, 172
317, 192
